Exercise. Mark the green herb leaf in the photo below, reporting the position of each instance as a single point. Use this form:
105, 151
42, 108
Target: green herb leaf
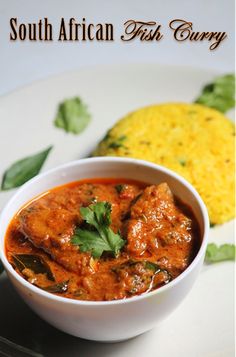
120, 188
182, 162
33, 262
23, 170
145, 263
98, 214
99, 237
215, 254
118, 142
220, 94
72, 116
152, 266
152, 277
107, 136
57, 288
1, 267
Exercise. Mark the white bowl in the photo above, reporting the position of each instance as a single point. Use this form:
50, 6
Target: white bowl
108, 321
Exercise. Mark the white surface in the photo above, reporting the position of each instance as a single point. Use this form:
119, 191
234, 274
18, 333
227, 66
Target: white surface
203, 325
24, 62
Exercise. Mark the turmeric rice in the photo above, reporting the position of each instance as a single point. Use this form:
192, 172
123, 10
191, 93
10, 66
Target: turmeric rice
195, 141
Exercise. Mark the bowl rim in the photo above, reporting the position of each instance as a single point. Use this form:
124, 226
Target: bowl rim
44, 294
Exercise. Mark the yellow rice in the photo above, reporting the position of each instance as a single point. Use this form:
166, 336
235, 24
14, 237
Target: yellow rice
195, 141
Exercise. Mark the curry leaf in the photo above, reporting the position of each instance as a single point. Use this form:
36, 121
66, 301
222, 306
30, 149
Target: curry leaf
155, 268
219, 94
99, 237
151, 278
57, 288
72, 116
215, 254
23, 170
33, 262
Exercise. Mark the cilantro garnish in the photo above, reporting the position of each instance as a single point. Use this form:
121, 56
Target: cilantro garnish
118, 142
72, 115
97, 237
215, 254
219, 94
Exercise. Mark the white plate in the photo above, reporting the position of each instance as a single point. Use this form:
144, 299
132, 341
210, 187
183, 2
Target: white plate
203, 325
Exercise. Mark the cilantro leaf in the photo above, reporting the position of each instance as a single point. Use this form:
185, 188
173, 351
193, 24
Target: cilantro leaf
98, 237
72, 116
118, 142
220, 94
215, 254
97, 214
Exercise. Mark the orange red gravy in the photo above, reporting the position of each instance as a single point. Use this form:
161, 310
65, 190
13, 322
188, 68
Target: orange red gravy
161, 239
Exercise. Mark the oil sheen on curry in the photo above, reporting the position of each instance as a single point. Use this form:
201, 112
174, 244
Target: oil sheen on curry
103, 239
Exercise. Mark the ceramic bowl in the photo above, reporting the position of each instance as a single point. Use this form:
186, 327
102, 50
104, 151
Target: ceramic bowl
107, 321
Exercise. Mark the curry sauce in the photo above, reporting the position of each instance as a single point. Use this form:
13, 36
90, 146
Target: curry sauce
103, 239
